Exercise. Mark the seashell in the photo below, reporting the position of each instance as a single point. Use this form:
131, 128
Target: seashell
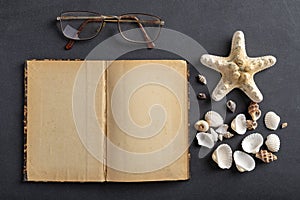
272, 120
205, 139
251, 125
252, 143
223, 156
243, 161
202, 96
239, 124
265, 156
214, 119
220, 137
254, 111
273, 143
228, 135
202, 79
231, 105
201, 126
284, 125
214, 134
222, 129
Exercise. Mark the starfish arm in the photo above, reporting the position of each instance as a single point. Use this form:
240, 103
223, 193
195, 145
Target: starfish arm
261, 63
221, 90
238, 47
213, 62
251, 90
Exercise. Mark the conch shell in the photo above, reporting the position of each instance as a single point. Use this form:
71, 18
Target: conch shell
265, 156
254, 111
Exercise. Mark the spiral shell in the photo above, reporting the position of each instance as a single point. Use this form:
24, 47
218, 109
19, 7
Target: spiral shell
201, 126
251, 125
223, 156
272, 120
243, 161
202, 79
228, 135
265, 156
214, 119
273, 143
254, 111
252, 143
231, 105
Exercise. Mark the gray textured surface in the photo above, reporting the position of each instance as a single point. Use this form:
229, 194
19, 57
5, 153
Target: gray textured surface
28, 31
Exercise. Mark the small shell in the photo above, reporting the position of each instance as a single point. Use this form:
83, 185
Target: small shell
205, 139
239, 124
272, 120
222, 129
202, 96
220, 137
223, 156
254, 111
202, 79
252, 143
265, 156
243, 161
214, 134
231, 105
273, 143
228, 135
201, 126
214, 119
284, 125
251, 125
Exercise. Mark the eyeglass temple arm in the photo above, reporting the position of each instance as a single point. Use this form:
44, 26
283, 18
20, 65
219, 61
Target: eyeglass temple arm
71, 42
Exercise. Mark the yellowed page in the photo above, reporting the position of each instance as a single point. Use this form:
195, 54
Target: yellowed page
54, 149
136, 150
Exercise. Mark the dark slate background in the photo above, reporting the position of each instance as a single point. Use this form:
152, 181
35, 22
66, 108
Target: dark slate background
28, 30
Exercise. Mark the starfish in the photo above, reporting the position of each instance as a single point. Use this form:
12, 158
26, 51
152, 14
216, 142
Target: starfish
237, 69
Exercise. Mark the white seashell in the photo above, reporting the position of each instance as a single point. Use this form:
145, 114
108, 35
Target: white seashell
220, 137
243, 161
272, 120
214, 134
273, 142
214, 119
239, 124
252, 143
222, 129
201, 126
205, 139
231, 105
223, 156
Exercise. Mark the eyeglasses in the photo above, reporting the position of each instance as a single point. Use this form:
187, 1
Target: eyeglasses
133, 27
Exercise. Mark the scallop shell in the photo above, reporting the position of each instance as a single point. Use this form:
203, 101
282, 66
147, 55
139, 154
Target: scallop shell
201, 126
205, 139
254, 111
273, 143
266, 156
243, 161
222, 129
214, 134
239, 124
231, 105
272, 120
252, 143
223, 156
214, 119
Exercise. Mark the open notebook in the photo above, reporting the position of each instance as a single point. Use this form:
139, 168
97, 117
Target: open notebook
96, 121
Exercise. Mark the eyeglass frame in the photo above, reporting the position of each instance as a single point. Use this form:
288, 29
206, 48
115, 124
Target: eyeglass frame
110, 19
